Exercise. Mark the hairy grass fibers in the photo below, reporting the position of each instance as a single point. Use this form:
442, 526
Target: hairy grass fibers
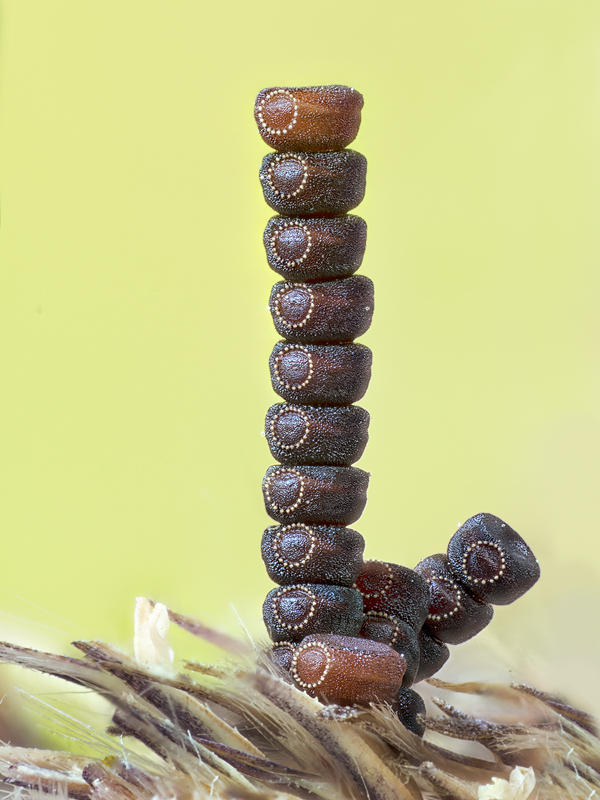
240, 730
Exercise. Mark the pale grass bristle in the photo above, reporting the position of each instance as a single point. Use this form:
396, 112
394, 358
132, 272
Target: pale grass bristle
241, 730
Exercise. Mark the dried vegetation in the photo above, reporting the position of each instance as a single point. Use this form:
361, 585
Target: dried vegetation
241, 730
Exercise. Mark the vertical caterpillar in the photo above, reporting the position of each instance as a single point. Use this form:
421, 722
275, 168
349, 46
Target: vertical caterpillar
347, 630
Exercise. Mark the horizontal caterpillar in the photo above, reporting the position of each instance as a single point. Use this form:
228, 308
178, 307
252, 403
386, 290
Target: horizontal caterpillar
346, 630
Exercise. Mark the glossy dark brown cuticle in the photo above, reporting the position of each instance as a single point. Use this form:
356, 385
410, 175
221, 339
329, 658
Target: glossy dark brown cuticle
293, 612
299, 434
305, 184
395, 590
329, 311
321, 495
409, 706
312, 249
301, 553
433, 656
281, 655
490, 558
333, 374
454, 614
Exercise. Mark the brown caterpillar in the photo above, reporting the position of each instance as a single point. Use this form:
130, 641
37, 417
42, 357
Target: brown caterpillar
346, 630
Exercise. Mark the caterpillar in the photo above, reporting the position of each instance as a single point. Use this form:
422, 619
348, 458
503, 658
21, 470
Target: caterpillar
346, 630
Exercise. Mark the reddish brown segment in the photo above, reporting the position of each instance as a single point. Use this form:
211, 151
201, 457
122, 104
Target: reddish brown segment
329, 311
333, 374
397, 634
326, 495
348, 670
307, 249
302, 184
454, 615
300, 553
298, 434
292, 612
311, 118
395, 590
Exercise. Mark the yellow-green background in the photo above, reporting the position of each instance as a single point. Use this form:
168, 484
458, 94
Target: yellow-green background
134, 333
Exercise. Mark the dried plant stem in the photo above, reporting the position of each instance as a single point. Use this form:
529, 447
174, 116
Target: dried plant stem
244, 731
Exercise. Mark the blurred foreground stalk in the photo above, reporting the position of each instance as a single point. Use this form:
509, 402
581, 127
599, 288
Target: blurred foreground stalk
241, 730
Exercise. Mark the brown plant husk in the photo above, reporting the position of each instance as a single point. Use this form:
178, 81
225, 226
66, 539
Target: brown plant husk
241, 730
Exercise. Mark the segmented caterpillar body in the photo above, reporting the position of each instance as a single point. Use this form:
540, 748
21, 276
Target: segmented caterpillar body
346, 630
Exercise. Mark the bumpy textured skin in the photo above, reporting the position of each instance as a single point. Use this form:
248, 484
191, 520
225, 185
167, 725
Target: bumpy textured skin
454, 615
408, 705
300, 553
312, 118
331, 311
392, 589
282, 654
321, 495
317, 248
434, 655
305, 184
298, 434
491, 560
397, 634
320, 309
293, 612
333, 374
348, 670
